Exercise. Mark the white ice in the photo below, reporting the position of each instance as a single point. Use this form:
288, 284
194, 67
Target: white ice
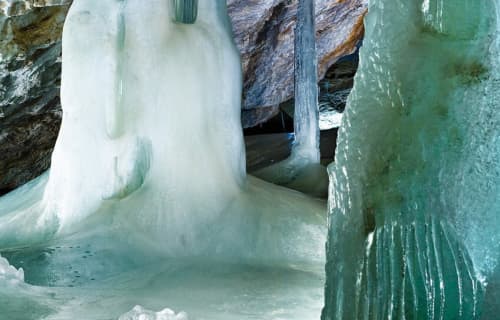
139, 313
9, 274
147, 200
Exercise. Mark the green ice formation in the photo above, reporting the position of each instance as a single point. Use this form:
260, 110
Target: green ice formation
414, 226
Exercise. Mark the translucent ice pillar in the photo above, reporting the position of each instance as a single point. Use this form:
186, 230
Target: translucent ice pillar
306, 84
414, 228
302, 170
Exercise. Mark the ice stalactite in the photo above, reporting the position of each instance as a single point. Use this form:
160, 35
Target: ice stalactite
306, 119
414, 224
302, 170
185, 11
115, 113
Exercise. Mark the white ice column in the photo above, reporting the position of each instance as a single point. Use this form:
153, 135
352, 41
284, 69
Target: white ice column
306, 90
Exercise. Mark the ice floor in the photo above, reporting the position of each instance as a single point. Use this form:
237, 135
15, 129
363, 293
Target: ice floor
202, 289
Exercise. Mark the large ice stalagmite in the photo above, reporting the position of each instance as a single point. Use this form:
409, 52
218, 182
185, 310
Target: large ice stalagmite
147, 102
414, 227
151, 147
147, 201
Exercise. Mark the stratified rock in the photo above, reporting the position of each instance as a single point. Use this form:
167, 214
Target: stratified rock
30, 112
30, 49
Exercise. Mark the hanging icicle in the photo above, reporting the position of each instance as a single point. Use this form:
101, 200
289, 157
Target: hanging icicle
185, 11
306, 119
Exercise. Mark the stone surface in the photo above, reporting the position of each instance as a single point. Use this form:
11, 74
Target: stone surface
30, 111
30, 33
264, 32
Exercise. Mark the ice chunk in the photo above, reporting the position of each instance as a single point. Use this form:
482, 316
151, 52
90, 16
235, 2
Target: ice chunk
9, 274
139, 313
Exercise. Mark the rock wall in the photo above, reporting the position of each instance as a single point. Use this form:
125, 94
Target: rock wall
264, 32
30, 67
30, 112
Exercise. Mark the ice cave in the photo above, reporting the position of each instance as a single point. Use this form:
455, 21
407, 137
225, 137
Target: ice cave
167, 198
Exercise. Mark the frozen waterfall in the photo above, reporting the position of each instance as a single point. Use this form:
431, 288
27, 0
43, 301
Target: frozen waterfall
147, 201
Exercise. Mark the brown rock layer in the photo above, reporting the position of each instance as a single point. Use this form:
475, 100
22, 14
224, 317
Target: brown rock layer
30, 111
264, 33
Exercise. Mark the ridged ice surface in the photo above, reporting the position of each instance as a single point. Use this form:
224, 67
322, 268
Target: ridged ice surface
414, 226
147, 201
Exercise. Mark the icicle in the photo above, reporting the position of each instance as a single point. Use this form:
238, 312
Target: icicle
306, 119
114, 111
302, 171
185, 11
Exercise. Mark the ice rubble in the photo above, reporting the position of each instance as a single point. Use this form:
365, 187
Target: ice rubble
9, 274
149, 171
139, 313
414, 203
